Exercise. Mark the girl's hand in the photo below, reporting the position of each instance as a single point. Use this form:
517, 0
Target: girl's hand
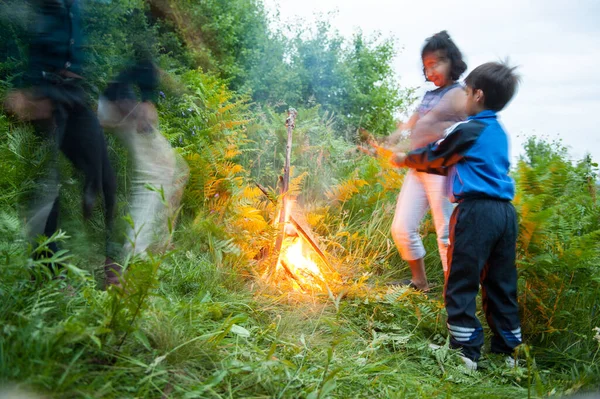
367, 150
397, 159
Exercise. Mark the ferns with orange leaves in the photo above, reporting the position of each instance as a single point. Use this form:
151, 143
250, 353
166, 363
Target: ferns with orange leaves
558, 248
225, 210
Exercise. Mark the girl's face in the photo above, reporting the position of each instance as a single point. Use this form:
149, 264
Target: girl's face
437, 68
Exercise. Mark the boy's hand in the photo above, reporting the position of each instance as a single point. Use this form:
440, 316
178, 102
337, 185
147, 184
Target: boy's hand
397, 159
26, 107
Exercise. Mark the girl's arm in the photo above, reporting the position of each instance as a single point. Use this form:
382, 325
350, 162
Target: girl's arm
411, 122
401, 128
450, 110
458, 101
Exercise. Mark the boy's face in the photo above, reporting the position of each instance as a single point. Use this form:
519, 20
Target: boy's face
474, 103
437, 68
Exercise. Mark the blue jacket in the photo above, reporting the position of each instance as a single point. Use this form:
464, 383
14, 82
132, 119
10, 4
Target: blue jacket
474, 156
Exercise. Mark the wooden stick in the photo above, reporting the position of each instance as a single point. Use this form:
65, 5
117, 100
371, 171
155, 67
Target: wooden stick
312, 242
292, 275
290, 123
265, 192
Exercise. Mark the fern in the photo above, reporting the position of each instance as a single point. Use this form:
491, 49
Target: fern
559, 226
346, 189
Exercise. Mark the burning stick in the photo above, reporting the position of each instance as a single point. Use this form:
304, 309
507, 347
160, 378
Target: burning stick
307, 237
290, 123
291, 274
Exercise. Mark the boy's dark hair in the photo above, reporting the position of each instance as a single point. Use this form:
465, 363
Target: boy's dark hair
498, 82
441, 41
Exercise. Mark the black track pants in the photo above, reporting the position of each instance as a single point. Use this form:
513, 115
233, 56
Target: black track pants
483, 235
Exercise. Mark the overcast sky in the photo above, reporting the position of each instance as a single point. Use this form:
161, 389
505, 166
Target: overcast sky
555, 43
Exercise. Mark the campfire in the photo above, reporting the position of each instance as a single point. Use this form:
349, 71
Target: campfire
300, 263
300, 266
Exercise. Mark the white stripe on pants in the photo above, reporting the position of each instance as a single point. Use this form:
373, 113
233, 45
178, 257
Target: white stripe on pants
420, 192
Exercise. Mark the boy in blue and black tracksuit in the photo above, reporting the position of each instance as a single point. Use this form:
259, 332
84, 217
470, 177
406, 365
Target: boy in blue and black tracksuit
483, 227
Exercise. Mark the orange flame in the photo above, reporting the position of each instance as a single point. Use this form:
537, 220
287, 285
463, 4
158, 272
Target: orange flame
295, 263
296, 260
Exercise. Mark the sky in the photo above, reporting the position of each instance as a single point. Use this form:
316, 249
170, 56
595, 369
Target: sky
554, 43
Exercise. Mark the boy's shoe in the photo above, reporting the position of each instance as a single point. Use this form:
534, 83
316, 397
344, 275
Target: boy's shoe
511, 362
470, 365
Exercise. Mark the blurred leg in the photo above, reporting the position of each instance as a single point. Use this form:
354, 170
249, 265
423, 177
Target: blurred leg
42, 217
441, 211
410, 210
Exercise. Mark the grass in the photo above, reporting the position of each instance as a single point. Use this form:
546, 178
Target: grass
206, 332
198, 324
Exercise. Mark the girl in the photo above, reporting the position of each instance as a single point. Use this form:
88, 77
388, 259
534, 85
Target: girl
439, 109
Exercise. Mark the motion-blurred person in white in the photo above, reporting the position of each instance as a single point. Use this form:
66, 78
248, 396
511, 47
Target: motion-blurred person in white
441, 108
159, 173
14, 392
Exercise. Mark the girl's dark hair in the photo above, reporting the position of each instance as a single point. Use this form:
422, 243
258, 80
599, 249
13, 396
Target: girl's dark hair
441, 41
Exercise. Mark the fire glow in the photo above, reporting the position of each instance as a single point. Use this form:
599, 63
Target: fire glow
295, 243
296, 261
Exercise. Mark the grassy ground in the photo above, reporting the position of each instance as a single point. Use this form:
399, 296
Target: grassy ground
198, 323
208, 332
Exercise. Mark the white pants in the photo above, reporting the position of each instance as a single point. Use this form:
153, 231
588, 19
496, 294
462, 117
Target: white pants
159, 176
420, 192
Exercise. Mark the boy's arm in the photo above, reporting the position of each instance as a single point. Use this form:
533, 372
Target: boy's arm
437, 157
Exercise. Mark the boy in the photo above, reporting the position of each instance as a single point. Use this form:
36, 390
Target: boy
483, 227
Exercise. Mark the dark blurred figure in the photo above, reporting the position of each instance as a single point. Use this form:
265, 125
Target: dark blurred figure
159, 172
52, 98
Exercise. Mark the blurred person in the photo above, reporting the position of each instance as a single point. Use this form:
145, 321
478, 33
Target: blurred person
159, 173
51, 98
440, 108
14, 392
